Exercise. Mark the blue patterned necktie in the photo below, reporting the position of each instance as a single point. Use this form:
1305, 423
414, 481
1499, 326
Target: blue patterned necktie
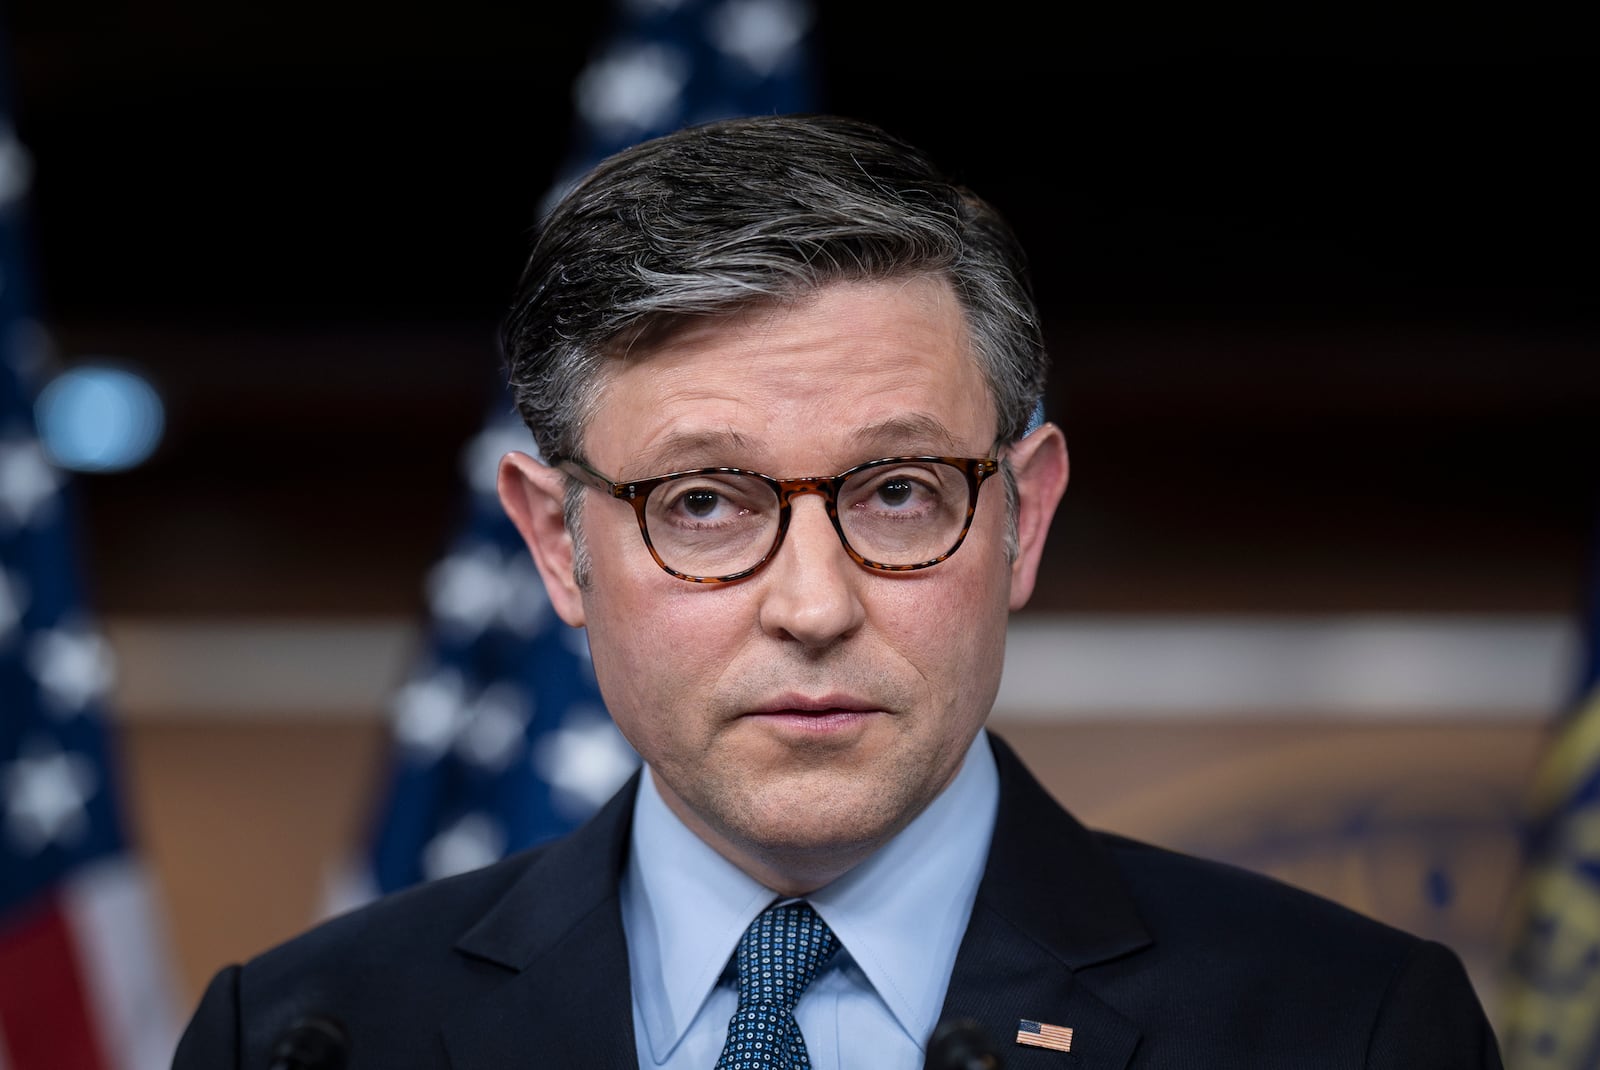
778, 956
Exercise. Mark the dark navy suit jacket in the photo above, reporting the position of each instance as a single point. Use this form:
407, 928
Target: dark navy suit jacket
1154, 960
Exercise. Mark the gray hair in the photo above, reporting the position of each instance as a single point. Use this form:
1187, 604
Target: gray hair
717, 217
722, 216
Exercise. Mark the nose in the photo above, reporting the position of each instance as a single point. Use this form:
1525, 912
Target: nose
811, 591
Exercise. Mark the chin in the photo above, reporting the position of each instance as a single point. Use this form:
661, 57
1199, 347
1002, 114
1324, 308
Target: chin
826, 824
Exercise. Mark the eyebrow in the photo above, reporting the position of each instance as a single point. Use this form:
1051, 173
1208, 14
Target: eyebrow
910, 433
681, 450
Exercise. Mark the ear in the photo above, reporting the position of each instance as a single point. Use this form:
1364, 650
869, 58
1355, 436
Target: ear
531, 494
1040, 464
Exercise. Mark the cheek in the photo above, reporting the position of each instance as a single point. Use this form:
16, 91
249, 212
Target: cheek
951, 627
656, 640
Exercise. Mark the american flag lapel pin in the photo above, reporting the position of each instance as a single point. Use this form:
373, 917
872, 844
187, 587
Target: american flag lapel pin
1044, 1035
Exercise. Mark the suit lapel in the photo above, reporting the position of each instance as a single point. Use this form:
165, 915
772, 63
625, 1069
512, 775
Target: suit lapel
557, 935
1050, 905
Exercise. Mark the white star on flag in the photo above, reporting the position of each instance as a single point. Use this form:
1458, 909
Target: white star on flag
474, 840
480, 585
632, 88
492, 736
763, 34
428, 712
480, 461
45, 790
28, 482
432, 716
73, 665
585, 760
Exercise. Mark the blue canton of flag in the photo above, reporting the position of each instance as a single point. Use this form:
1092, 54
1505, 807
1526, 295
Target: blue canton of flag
500, 737
83, 975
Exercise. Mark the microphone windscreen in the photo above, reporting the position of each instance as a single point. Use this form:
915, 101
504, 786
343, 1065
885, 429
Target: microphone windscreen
314, 1042
960, 1044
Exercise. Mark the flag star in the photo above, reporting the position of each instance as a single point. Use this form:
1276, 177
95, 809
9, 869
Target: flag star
498, 722
480, 461
481, 586
13, 601
429, 712
762, 34
584, 761
28, 482
474, 840
633, 89
73, 665
46, 790
467, 589
525, 605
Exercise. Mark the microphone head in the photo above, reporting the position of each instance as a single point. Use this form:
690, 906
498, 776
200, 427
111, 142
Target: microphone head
313, 1042
960, 1044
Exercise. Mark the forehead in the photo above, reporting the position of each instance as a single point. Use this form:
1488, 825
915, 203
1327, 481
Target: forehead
851, 371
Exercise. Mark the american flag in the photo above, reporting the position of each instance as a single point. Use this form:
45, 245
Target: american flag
85, 982
1042, 1035
499, 737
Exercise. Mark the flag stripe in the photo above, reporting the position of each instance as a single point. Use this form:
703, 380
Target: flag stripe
44, 1012
130, 982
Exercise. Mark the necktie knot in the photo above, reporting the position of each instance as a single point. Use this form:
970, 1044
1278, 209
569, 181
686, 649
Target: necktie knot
778, 956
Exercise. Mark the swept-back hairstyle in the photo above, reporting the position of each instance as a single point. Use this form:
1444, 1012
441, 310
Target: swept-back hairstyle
721, 216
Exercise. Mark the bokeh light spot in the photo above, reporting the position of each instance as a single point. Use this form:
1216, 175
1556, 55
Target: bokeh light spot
99, 418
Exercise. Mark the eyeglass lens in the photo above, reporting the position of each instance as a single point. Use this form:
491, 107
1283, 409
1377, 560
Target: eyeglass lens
720, 523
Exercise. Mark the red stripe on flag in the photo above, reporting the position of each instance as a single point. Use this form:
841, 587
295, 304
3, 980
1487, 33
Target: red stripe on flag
44, 1011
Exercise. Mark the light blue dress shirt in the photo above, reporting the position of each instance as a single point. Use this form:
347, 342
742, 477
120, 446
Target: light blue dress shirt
899, 917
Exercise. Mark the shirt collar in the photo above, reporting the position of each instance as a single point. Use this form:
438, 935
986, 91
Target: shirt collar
684, 908
900, 914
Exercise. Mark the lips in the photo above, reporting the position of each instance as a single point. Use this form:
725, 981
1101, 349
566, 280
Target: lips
825, 704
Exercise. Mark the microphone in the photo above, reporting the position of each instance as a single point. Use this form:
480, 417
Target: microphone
960, 1044
313, 1042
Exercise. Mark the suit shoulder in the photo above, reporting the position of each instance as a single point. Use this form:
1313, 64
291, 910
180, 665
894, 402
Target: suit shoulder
1264, 952
399, 923
1183, 896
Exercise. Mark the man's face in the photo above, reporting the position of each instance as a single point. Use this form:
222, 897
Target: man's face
800, 717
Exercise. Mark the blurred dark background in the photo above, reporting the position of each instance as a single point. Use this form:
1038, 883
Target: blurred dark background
1321, 286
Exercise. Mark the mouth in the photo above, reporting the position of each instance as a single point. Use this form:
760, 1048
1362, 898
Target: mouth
821, 713
822, 705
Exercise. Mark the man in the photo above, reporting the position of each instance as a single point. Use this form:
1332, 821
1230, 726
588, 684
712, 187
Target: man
782, 375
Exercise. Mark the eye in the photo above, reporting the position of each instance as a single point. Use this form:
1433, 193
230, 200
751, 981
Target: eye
711, 498
899, 492
699, 503
896, 492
